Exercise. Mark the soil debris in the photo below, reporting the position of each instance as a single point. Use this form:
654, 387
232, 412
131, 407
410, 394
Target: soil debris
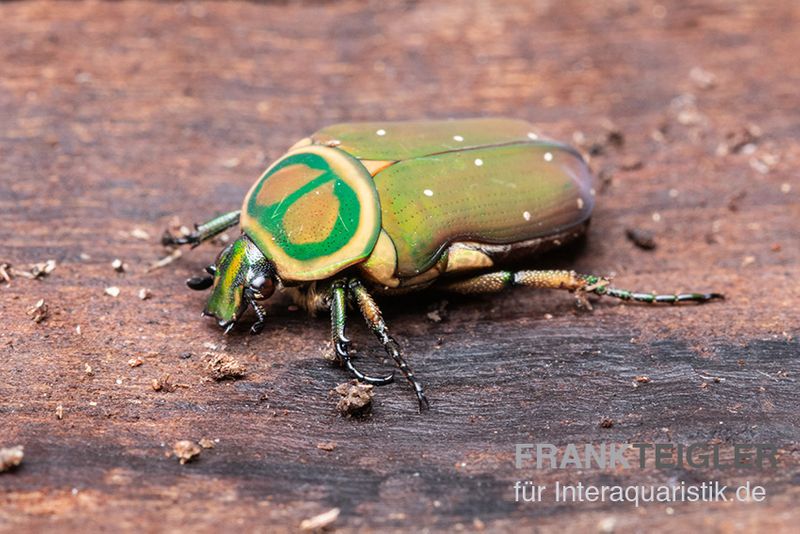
319, 522
39, 311
118, 266
733, 202
144, 294
356, 398
186, 451
60, 412
4, 273
224, 367
644, 239
163, 383
631, 163
40, 270
702, 78
438, 312
135, 362
10, 458
326, 445
166, 260
112, 291
606, 422
206, 443
138, 233
736, 140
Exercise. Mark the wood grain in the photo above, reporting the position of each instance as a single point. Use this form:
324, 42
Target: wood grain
116, 117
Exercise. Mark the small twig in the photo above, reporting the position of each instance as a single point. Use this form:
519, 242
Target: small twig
166, 260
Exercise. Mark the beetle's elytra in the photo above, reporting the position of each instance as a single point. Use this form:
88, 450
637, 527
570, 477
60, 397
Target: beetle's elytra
401, 206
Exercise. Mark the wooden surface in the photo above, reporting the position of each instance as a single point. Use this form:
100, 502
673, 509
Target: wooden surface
119, 116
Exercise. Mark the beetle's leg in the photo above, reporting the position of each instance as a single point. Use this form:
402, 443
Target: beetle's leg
569, 280
261, 314
372, 314
340, 342
203, 232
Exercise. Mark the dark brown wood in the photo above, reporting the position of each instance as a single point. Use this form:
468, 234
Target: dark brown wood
118, 116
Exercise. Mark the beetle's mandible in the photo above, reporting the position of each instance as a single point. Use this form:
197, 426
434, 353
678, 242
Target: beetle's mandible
392, 207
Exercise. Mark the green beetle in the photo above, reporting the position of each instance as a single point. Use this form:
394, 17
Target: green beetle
394, 207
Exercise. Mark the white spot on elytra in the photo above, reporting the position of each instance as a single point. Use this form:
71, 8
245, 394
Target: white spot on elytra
458, 138
526, 215
580, 203
548, 156
533, 136
381, 132
478, 162
428, 193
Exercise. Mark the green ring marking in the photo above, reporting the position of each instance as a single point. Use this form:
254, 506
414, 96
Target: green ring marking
272, 217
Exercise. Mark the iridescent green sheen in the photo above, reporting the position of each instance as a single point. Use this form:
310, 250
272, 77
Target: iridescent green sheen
494, 195
396, 141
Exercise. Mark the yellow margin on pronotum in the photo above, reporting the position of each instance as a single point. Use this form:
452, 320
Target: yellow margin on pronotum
352, 172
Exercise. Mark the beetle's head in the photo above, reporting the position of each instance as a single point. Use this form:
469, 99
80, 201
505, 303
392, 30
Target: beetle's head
240, 277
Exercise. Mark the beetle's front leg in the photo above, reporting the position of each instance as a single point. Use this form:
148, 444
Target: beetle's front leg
372, 314
203, 232
341, 344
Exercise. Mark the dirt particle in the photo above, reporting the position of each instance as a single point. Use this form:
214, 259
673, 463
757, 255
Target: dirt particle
206, 443
60, 411
39, 311
118, 266
166, 260
631, 163
144, 294
775, 247
606, 422
644, 239
742, 139
4, 274
438, 312
138, 233
40, 270
87, 370
356, 398
319, 522
702, 78
642, 379
186, 451
224, 367
326, 445
135, 362
733, 202
112, 291
163, 383
10, 458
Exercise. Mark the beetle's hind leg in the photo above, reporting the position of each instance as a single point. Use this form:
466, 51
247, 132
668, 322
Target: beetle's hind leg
372, 314
580, 284
203, 232
341, 344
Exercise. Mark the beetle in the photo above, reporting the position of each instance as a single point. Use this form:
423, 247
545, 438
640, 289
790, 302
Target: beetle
363, 208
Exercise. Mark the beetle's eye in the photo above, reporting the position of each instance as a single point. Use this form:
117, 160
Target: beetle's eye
263, 287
